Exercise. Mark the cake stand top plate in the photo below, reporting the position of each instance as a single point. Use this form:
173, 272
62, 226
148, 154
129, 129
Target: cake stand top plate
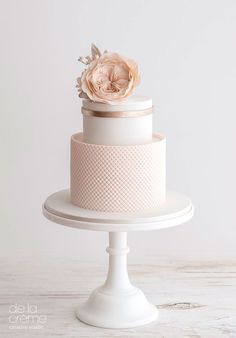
177, 209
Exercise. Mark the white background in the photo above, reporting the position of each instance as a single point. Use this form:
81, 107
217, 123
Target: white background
186, 51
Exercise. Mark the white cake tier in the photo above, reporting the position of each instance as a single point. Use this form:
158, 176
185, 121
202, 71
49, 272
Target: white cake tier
123, 124
120, 178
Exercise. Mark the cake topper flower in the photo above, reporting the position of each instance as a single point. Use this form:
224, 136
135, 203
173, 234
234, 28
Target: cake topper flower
109, 77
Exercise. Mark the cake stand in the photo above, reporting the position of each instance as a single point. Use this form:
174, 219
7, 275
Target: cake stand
117, 304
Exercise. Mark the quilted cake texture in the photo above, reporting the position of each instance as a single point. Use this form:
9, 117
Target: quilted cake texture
118, 178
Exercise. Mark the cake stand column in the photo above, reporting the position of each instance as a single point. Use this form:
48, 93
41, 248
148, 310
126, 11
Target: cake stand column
117, 304
117, 277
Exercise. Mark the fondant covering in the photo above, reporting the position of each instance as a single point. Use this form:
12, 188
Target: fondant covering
123, 178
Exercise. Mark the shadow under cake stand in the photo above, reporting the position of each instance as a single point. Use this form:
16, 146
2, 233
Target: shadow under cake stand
117, 303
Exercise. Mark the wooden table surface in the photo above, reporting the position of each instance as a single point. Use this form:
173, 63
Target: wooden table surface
194, 299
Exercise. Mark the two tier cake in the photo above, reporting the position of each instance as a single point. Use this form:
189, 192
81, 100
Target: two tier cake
117, 163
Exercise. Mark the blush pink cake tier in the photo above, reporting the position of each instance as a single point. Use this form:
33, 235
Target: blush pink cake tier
117, 163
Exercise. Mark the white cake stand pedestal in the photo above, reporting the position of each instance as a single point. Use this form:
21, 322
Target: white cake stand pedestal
117, 303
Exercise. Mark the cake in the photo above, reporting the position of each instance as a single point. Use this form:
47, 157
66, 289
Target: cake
118, 164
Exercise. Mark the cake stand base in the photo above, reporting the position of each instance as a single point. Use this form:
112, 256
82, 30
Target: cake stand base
117, 304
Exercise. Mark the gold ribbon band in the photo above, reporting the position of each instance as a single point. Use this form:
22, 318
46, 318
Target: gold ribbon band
136, 113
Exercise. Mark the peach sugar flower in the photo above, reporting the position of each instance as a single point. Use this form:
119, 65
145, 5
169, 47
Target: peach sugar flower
109, 78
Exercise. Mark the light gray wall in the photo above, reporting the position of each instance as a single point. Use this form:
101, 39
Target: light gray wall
186, 51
